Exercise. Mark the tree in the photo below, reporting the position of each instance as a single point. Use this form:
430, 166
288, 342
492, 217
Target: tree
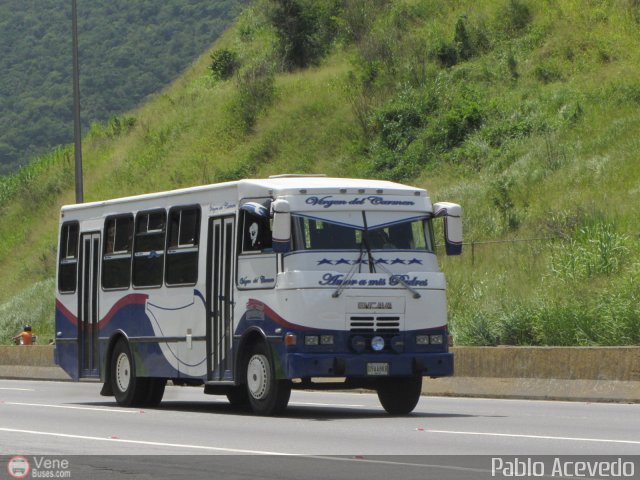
304, 28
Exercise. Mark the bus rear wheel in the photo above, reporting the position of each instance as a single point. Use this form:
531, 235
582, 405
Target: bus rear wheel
267, 395
129, 389
399, 396
155, 391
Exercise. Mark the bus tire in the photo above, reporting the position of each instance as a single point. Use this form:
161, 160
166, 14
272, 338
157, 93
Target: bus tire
267, 395
399, 396
155, 392
129, 390
238, 396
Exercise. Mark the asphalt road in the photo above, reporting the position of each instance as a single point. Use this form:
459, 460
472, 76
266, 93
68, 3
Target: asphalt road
324, 435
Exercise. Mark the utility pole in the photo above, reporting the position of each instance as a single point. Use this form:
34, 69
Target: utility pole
77, 134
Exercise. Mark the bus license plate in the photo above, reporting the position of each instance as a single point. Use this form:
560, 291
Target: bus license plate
377, 369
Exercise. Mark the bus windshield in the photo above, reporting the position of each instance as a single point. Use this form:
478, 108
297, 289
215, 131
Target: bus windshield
315, 234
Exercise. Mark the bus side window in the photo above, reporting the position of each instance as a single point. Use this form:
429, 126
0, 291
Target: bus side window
182, 246
116, 259
256, 233
148, 248
68, 261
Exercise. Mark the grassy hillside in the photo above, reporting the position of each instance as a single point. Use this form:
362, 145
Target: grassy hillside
525, 112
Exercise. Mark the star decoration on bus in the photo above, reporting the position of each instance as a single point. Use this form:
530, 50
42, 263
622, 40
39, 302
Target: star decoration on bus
364, 261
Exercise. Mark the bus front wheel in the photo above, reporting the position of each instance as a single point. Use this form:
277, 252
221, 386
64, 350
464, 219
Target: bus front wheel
267, 395
238, 397
399, 396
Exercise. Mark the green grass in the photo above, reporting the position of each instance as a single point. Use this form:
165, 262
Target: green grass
524, 112
33, 306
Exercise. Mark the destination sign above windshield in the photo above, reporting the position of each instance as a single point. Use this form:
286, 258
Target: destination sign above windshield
359, 202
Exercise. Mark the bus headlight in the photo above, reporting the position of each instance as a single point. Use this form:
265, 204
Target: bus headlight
422, 339
311, 340
436, 339
326, 340
397, 344
358, 344
377, 343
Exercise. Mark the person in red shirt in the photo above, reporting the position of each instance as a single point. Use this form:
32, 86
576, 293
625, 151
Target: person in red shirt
25, 337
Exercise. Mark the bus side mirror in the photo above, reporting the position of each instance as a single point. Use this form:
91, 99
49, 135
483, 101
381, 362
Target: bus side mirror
281, 230
452, 214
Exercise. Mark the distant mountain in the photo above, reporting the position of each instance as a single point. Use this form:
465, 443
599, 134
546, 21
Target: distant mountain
127, 49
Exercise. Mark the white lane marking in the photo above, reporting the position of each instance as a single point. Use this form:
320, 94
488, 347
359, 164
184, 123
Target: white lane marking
19, 389
142, 442
333, 392
311, 404
71, 407
363, 459
241, 451
539, 437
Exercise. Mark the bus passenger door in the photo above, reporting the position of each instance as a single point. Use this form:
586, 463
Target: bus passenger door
220, 269
88, 305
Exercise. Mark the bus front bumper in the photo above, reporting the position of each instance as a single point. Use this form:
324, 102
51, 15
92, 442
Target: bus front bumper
305, 365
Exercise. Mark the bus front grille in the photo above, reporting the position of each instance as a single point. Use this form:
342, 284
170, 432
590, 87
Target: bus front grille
374, 324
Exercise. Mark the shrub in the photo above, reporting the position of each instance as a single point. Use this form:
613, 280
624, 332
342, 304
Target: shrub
478, 329
501, 196
464, 116
516, 126
256, 90
548, 73
119, 125
557, 324
462, 41
595, 250
356, 19
515, 325
446, 54
397, 124
224, 63
514, 17
389, 165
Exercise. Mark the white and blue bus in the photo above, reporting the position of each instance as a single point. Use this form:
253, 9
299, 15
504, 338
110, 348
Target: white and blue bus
254, 287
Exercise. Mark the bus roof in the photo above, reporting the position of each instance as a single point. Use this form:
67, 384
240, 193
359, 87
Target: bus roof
273, 186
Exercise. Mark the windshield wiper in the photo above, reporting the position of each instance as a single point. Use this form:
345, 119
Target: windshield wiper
349, 276
401, 282
373, 262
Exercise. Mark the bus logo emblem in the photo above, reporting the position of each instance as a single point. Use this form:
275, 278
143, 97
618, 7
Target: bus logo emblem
18, 467
375, 306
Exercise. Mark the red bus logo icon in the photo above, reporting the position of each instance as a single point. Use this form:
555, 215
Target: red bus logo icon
18, 467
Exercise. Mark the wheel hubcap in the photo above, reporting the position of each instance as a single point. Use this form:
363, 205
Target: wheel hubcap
123, 372
258, 376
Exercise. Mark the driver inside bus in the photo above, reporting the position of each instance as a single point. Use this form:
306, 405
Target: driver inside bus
379, 239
